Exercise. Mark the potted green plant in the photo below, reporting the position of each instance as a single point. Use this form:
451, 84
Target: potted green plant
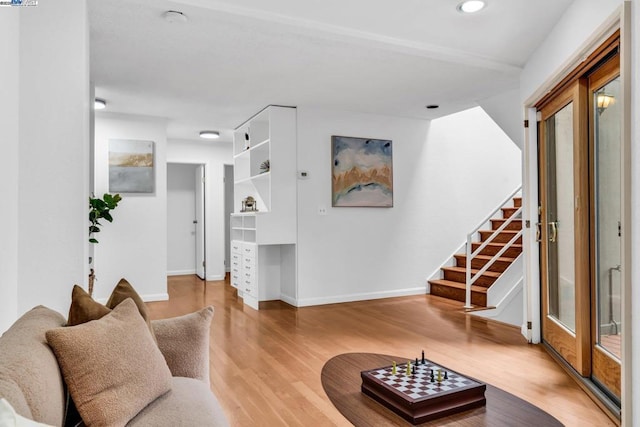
99, 208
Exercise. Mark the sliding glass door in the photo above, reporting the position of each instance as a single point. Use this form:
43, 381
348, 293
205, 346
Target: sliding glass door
580, 150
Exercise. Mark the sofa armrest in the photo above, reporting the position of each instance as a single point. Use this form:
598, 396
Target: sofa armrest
184, 343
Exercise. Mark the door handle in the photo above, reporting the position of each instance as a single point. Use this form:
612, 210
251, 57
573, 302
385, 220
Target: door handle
538, 232
554, 231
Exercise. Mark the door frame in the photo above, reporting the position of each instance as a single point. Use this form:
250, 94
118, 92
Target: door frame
205, 202
531, 328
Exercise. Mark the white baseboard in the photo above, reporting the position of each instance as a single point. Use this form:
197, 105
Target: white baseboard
146, 298
306, 302
215, 277
289, 300
155, 297
181, 272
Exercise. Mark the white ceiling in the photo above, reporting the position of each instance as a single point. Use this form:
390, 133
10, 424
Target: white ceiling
234, 57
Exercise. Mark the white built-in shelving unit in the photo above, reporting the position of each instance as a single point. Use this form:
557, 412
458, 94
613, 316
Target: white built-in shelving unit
263, 242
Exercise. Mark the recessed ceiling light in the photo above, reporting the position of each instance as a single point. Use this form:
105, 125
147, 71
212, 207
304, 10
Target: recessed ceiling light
174, 16
432, 106
471, 6
99, 104
210, 134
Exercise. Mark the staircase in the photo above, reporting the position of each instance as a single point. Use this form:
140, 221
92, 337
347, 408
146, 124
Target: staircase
452, 284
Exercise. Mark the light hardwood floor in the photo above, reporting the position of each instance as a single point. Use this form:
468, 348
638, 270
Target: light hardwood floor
265, 365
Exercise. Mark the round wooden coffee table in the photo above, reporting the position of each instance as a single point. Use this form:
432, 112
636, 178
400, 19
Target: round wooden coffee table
341, 381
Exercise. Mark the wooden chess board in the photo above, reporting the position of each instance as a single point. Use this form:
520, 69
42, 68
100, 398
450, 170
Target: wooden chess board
418, 397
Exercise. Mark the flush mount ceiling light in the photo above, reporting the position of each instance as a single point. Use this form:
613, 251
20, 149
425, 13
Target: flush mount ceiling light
210, 134
99, 104
471, 6
174, 16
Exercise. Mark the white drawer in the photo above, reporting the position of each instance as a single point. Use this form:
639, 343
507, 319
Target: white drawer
249, 268
236, 265
236, 246
236, 257
249, 250
248, 285
235, 279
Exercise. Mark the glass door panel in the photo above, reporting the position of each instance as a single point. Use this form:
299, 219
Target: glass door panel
608, 233
564, 226
561, 273
606, 196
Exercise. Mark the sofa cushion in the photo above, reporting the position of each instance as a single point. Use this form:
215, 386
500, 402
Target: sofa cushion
29, 374
189, 403
184, 342
112, 366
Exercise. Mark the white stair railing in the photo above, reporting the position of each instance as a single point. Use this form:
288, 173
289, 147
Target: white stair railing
471, 279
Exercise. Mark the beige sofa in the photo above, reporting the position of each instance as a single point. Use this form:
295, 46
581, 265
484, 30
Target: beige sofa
31, 381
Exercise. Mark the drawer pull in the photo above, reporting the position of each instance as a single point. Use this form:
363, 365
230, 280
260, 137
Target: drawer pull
247, 290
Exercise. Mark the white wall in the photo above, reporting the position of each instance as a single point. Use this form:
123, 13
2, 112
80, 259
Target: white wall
134, 246
570, 35
181, 212
9, 95
53, 157
447, 174
505, 109
214, 155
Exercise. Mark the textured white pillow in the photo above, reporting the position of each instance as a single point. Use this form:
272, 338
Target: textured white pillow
9, 418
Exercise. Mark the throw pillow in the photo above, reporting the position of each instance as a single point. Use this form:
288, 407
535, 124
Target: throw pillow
124, 290
83, 308
111, 365
184, 342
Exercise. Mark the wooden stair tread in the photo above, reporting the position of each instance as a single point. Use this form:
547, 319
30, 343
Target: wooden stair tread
458, 285
500, 244
486, 257
473, 271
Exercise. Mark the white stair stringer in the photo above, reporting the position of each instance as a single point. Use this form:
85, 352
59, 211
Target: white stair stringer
506, 296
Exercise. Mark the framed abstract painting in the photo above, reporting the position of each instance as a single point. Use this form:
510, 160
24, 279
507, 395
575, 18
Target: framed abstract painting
362, 172
131, 168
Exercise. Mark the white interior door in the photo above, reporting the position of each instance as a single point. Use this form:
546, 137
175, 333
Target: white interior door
199, 222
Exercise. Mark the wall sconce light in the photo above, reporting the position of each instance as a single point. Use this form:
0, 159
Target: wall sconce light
604, 101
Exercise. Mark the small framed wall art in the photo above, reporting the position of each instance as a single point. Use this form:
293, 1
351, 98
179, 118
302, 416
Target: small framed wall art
362, 172
131, 166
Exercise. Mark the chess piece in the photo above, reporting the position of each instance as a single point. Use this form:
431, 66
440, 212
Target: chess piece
393, 369
446, 377
439, 375
413, 369
423, 357
432, 378
408, 372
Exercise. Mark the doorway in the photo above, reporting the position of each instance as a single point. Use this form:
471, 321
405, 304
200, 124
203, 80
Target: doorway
186, 219
581, 200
